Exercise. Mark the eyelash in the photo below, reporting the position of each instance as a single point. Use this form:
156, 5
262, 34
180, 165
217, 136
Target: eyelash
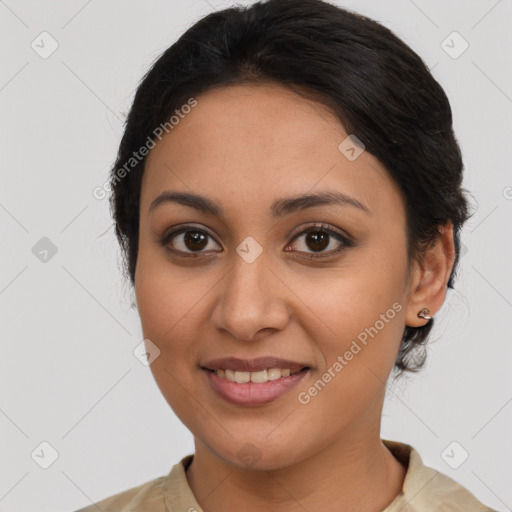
316, 228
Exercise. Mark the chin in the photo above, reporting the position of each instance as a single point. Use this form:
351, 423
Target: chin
257, 455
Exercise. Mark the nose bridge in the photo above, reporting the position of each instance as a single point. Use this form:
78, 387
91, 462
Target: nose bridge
248, 278
251, 299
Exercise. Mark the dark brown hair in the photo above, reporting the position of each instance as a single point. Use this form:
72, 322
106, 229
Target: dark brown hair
378, 87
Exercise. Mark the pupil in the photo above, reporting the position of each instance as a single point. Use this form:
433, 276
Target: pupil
318, 238
196, 240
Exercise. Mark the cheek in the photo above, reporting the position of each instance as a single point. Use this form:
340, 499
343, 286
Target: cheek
167, 299
168, 308
360, 312
168, 317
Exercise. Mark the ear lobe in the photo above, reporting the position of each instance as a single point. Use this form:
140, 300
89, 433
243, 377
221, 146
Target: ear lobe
430, 278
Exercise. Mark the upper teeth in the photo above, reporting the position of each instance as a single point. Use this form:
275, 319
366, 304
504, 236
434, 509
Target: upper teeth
260, 376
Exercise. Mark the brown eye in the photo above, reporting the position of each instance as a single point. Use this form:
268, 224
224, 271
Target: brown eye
314, 240
189, 240
195, 240
317, 240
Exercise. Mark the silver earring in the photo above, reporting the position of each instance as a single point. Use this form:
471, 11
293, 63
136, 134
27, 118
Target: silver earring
424, 313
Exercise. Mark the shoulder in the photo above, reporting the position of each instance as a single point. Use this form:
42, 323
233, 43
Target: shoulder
426, 489
145, 497
167, 493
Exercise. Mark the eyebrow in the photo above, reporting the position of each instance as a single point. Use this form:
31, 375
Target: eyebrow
279, 208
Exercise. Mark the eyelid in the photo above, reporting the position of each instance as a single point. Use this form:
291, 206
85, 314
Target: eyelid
344, 239
173, 232
321, 226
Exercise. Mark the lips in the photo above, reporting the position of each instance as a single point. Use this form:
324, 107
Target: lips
252, 365
253, 382
249, 394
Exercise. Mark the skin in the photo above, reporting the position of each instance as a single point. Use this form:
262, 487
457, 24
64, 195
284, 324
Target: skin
245, 147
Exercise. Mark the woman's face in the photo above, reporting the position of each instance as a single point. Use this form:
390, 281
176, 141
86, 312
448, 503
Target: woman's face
241, 282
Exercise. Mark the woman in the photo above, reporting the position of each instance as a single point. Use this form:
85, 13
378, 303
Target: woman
288, 197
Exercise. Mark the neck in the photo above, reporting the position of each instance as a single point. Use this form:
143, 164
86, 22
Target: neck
355, 473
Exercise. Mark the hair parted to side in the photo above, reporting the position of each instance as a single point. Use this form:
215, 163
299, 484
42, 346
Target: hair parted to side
377, 86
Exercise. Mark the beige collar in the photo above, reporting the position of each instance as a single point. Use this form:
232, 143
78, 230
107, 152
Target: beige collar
425, 489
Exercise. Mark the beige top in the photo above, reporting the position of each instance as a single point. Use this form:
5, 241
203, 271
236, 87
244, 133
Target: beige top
424, 490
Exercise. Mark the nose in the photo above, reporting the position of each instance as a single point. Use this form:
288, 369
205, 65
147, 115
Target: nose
252, 301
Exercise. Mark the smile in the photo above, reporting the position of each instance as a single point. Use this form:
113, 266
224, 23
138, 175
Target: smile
259, 376
253, 388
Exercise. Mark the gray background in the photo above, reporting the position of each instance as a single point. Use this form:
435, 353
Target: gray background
68, 375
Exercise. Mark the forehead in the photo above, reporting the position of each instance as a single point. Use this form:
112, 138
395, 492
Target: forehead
260, 142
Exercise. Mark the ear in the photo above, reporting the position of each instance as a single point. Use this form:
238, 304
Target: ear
429, 277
